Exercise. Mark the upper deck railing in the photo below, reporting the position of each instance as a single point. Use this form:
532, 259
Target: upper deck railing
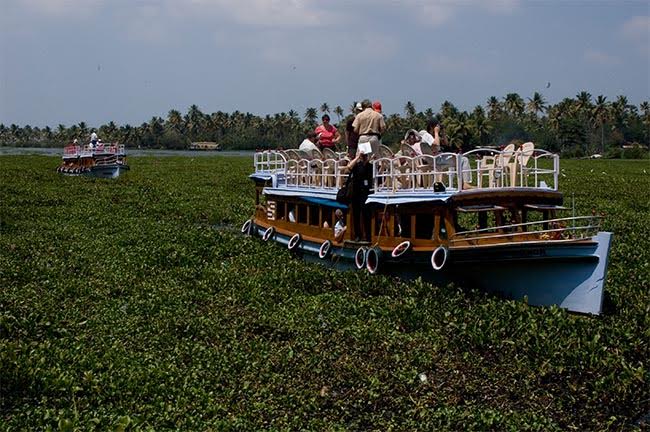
477, 169
72, 151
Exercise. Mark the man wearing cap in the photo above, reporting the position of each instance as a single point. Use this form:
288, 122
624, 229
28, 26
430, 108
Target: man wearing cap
369, 124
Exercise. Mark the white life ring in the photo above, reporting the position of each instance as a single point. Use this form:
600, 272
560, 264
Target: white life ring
373, 260
401, 249
246, 228
360, 258
268, 233
294, 242
324, 249
439, 258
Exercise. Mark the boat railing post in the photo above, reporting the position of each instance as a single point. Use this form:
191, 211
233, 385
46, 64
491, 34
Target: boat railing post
459, 174
556, 169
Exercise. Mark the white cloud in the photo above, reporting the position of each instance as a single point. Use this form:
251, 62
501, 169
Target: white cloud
437, 13
63, 8
637, 28
600, 57
267, 13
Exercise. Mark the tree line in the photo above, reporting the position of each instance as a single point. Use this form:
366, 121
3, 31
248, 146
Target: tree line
577, 126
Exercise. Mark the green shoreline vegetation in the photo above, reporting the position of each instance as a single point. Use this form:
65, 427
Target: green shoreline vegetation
135, 304
575, 127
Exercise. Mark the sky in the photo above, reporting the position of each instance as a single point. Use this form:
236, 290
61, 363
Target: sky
67, 61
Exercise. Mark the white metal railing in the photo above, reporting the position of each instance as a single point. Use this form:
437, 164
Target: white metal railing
479, 168
91, 151
269, 161
316, 173
576, 227
514, 168
422, 172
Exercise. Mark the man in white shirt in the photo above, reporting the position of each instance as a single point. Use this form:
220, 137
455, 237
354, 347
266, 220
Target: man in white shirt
309, 143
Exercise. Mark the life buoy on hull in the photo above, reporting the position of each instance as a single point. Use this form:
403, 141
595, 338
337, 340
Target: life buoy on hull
268, 234
439, 258
324, 249
246, 228
373, 260
360, 258
401, 249
294, 242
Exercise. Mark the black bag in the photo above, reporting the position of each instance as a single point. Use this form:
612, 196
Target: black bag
344, 195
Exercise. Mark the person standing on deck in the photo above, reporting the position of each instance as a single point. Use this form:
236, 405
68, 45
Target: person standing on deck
93, 138
369, 124
351, 137
361, 173
328, 135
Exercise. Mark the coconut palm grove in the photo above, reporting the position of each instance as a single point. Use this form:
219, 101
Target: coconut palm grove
575, 127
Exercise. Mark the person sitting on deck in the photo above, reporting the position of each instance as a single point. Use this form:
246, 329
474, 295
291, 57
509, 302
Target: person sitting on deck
309, 143
339, 227
440, 145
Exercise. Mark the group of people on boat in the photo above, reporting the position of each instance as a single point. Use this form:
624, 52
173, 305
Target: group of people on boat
363, 137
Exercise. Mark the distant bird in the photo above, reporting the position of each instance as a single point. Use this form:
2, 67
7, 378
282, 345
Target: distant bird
548, 84
293, 67
99, 67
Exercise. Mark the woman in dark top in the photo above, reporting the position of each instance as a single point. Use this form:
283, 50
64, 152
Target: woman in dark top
361, 173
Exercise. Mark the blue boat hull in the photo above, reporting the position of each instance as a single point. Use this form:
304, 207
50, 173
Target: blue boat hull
107, 171
570, 275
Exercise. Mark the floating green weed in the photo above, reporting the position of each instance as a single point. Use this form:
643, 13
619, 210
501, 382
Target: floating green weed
122, 307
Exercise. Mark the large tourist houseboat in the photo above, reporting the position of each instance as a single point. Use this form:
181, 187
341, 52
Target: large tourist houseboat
100, 160
487, 219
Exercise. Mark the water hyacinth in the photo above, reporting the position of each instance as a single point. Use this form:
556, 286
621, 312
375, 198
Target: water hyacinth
135, 304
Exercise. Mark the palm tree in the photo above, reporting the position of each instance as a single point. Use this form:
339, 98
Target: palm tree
536, 104
600, 115
409, 109
514, 104
479, 126
339, 112
174, 120
583, 101
325, 108
310, 116
494, 108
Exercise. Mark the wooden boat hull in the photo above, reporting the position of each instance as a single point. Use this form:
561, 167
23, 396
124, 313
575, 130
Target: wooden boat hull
568, 274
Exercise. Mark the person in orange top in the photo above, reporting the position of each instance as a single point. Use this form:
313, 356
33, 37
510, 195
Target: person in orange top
328, 134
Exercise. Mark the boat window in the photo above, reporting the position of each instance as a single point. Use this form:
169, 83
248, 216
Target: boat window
442, 228
402, 225
382, 222
291, 212
313, 215
424, 226
328, 215
280, 210
302, 213
473, 220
